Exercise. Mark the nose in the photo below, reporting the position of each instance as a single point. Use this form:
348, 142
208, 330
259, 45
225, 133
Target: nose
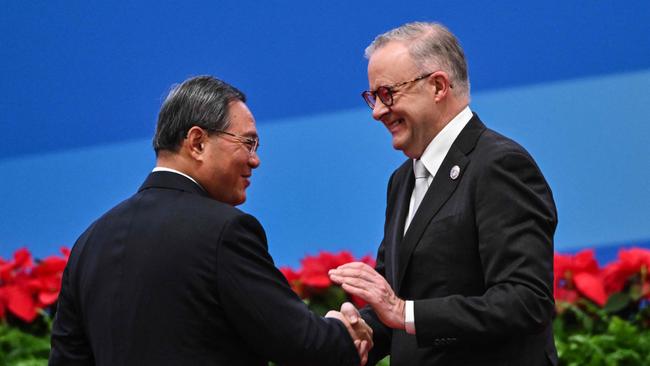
254, 160
380, 110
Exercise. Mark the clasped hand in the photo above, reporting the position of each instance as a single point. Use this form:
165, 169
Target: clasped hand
360, 332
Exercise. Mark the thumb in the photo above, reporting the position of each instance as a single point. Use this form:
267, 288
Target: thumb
350, 312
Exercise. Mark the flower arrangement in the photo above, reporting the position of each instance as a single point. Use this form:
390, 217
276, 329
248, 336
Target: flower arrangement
27, 287
603, 313
28, 293
603, 317
312, 283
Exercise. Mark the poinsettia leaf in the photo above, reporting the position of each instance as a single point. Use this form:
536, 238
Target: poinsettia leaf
617, 302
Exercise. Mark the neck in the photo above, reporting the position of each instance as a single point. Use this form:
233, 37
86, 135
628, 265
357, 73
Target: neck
174, 161
451, 110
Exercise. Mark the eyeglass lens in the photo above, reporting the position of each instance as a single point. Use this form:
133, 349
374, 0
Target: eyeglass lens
383, 93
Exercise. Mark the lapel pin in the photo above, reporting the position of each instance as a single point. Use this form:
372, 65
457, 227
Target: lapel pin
455, 171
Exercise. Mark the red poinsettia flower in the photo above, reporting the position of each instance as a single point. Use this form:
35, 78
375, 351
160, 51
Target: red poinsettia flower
48, 275
313, 277
369, 261
632, 262
15, 281
20, 302
577, 275
315, 268
22, 261
24, 289
2, 302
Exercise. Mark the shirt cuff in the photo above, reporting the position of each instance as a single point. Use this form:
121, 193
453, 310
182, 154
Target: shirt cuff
409, 317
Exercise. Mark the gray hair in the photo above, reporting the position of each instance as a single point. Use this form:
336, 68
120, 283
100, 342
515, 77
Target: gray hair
431, 45
199, 101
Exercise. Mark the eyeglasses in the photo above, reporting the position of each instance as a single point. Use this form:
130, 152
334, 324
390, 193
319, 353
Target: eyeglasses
385, 92
251, 143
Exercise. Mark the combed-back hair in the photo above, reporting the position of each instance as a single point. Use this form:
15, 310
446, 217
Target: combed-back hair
431, 46
199, 101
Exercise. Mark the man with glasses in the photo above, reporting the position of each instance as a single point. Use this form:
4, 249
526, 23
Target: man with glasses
465, 270
176, 275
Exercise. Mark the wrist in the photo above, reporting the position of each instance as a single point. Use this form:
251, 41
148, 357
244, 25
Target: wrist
400, 314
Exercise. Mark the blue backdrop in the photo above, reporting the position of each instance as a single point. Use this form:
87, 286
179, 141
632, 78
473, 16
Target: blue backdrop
81, 84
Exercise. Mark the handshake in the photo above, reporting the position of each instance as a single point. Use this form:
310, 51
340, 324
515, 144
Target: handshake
360, 332
361, 280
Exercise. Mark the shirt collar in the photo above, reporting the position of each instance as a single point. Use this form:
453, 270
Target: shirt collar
438, 148
165, 169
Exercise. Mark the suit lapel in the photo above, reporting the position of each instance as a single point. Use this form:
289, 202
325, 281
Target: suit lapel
441, 189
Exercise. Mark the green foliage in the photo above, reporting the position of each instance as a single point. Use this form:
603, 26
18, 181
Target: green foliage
384, 362
331, 298
588, 336
20, 348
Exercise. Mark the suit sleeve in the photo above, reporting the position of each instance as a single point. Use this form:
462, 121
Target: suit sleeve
515, 220
265, 311
70, 346
382, 335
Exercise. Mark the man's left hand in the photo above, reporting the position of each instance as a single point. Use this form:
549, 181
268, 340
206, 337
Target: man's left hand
361, 280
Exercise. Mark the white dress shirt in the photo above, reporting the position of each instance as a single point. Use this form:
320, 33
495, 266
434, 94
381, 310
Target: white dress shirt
432, 158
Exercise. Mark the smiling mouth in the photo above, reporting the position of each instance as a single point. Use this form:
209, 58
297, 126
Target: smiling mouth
392, 125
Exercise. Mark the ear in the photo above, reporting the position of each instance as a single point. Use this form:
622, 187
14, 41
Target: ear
441, 85
195, 141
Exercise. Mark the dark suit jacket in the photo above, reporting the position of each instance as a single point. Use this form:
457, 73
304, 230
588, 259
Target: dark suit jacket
173, 277
477, 259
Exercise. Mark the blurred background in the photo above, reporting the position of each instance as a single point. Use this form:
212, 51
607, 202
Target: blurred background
81, 83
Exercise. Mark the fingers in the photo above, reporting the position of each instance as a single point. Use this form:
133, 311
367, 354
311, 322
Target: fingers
365, 333
365, 343
381, 298
363, 353
360, 332
355, 265
332, 314
355, 270
360, 276
336, 315
361, 280
364, 294
360, 283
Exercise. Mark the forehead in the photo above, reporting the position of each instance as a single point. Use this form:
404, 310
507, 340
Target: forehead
241, 119
390, 64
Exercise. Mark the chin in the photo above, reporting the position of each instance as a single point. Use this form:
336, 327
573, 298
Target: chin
240, 200
397, 144
402, 148
406, 150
